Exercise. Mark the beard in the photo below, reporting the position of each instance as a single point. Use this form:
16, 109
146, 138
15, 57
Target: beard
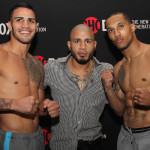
22, 40
82, 60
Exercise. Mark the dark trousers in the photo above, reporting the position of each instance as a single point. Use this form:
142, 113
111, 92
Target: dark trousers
91, 145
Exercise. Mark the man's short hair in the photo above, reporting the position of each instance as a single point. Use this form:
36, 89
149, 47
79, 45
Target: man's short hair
24, 5
124, 14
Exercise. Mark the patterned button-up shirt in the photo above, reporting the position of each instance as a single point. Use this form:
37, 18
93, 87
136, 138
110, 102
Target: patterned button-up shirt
79, 111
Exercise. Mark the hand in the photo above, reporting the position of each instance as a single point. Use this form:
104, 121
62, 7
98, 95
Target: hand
52, 107
107, 78
26, 105
142, 97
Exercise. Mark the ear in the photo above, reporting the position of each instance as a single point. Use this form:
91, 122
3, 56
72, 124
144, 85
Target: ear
36, 27
133, 27
9, 25
95, 44
69, 44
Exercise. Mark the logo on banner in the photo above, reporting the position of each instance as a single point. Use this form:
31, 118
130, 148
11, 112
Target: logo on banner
5, 31
46, 136
41, 59
93, 23
141, 24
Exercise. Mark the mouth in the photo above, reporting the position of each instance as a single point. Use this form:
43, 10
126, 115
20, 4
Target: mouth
25, 32
118, 40
82, 54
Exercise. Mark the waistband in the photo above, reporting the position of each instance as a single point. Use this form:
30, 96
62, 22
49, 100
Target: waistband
82, 142
137, 130
22, 135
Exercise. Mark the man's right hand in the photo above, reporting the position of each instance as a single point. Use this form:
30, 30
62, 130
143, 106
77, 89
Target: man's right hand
26, 105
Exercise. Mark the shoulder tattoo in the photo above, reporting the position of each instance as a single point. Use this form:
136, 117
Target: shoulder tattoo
35, 70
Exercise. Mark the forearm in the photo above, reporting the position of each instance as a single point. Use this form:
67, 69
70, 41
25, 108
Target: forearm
6, 104
116, 104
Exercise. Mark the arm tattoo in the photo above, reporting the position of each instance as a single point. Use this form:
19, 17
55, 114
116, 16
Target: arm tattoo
4, 104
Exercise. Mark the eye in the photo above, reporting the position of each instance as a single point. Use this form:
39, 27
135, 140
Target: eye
76, 41
88, 41
121, 26
110, 30
31, 20
19, 19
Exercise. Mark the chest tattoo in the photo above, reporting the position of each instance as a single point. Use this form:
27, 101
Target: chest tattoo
82, 82
121, 74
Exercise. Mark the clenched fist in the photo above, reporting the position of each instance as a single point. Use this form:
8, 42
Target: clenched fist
52, 107
26, 105
142, 97
107, 78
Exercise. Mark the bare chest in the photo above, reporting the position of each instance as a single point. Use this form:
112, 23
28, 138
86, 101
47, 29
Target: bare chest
134, 74
19, 72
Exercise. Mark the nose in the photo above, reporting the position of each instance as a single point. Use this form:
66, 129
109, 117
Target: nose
82, 45
117, 33
25, 23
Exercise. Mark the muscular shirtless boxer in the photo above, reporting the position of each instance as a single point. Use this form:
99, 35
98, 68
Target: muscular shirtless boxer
21, 85
131, 77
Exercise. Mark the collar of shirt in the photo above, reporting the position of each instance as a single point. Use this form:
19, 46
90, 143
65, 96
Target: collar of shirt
64, 60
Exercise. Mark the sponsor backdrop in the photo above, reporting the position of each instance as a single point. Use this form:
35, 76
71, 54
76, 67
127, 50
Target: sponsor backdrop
55, 20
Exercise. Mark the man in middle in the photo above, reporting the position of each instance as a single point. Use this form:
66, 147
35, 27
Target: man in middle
75, 83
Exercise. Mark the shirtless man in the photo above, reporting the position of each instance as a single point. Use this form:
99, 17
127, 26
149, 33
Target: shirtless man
131, 77
21, 88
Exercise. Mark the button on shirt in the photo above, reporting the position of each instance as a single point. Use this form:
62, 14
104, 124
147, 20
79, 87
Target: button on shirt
79, 111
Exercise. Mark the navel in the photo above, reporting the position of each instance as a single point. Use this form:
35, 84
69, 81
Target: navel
16, 82
143, 79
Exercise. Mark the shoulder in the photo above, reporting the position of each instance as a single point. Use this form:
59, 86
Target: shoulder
56, 63
118, 66
106, 65
3, 52
34, 59
50, 62
36, 62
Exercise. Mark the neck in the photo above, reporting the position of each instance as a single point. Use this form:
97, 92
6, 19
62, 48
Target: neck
18, 48
73, 64
133, 50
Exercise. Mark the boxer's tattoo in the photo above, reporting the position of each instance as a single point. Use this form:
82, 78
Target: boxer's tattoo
4, 104
82, 82
143, 116
3, 44
35, 70
121, 74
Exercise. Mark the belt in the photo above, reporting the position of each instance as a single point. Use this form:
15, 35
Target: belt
97, 141
137, 130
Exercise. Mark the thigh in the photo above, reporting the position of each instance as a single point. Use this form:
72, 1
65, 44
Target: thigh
123, 142
143, 142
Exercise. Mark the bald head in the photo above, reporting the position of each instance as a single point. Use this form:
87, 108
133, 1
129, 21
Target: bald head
82, 28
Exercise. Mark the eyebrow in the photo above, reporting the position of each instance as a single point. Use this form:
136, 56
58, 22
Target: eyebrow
84, 39
25, 17
117, 25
